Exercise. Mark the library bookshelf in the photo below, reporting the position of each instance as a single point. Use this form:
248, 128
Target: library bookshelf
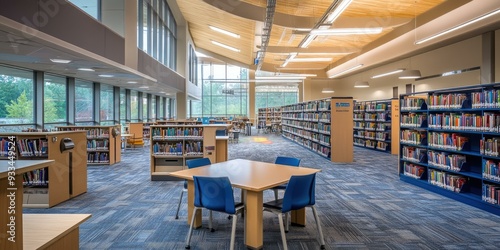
33, 231
324, 126
137, 132
269, 118
64, 179
450, 143
179, 122
376, 125
172, 145
103, 143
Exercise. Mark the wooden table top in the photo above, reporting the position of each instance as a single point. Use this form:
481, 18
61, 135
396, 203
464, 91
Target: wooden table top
23, 166
246, 174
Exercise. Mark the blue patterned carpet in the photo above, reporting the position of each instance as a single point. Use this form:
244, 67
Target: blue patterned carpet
362, 205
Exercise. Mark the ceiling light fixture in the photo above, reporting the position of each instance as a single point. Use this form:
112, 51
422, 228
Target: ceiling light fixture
144, 87
279, 77
60, 60
290, 57
347, 70
224, 31
107, 76
86, 69
327, 90
361, 84
442, 33
346, 31
311, 59
308, 41
388, 73
225, 46
131, 82
410, 74
337, 11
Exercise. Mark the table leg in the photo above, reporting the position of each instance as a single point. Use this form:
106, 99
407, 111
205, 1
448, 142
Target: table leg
253, 219
197, 220
298, 217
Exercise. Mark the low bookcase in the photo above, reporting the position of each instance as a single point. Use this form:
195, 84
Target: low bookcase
450, 143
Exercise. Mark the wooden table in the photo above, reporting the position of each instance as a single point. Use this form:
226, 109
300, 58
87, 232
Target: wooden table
36, 230
253, 177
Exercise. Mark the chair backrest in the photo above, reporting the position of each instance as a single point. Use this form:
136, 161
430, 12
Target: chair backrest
199, 162
214, 193
299, 192
290, 161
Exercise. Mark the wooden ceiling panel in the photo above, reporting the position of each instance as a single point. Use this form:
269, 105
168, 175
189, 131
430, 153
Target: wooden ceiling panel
399, 8
310, 8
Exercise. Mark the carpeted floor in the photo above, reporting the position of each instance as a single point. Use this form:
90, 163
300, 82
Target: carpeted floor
362, 205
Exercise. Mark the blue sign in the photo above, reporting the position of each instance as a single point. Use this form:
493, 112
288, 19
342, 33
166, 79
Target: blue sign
342, 104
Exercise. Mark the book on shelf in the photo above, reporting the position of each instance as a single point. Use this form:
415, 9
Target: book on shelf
446, 180
490, 170
491, 193
490, 146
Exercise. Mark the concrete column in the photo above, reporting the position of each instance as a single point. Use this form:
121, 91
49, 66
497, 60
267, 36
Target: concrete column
181, 105
488, 58
130, 33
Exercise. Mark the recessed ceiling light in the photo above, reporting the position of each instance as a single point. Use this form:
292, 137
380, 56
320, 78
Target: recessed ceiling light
131, 82
225, 46
106, 75
86, 69
144, 87
60, 61
224, 31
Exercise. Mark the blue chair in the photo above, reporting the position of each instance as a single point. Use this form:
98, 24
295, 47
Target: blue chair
193, 163
299, 193
283, 160
214, 194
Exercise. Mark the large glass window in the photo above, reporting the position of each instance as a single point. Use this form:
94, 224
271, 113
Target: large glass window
107, 104
153, 108
54, 101
275, 95
91, 7
16, 98
84, 101
145, 107
123, 107
134, 106
162, 109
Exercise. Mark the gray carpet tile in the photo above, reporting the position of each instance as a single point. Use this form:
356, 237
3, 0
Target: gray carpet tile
362, 205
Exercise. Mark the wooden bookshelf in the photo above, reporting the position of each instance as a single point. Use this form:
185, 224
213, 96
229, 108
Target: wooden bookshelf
33, 231
374, 126
172, 145
136, 130
450, 143
65, 179
269, 119
324, 126
103, 143
179, 122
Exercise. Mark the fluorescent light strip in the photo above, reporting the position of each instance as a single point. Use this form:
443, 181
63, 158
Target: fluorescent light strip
308, 41
311, 59
442, 33
60, 61
104, 75
225, 46
388, 73
279, 77
346, 31
290, 57
347, 70
86, 69
338, 10
224, 31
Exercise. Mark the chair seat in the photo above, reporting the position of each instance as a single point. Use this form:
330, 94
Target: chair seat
281, 187
275, 204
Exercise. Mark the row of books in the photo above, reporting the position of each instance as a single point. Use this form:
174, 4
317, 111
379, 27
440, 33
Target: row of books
316, 147
414, 154
33, 147
97, 157
445, 160
489, 122
447, 101
490, 170
446, 180
413, 120
371, 106
448, 141
167, 148
413, 137
5, 144
37, 177
97, 144
359, 142
177, 132
491, 193
489, 146
413, 170
95, 132
413, 104
486, 99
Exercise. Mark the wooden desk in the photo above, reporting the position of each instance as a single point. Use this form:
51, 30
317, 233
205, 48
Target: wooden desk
33, 231
124, 138
253, 177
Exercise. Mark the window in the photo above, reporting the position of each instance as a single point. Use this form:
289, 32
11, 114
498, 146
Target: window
162, 109
54, 101
84, 101
145, 107
275, 95
134, 106
123, 107
106, 111
193, 64
91, 7
16, 100
153, 108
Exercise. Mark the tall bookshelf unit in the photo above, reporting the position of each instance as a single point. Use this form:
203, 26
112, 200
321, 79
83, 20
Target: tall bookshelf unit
450, 143
323, 126
374, 126
172, 145
65, 179
103, 143
267, 117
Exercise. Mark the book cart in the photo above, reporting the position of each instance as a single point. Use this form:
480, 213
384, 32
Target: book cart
103, 143
66, 177
172, 145
450, 143
324, 126
374, 126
